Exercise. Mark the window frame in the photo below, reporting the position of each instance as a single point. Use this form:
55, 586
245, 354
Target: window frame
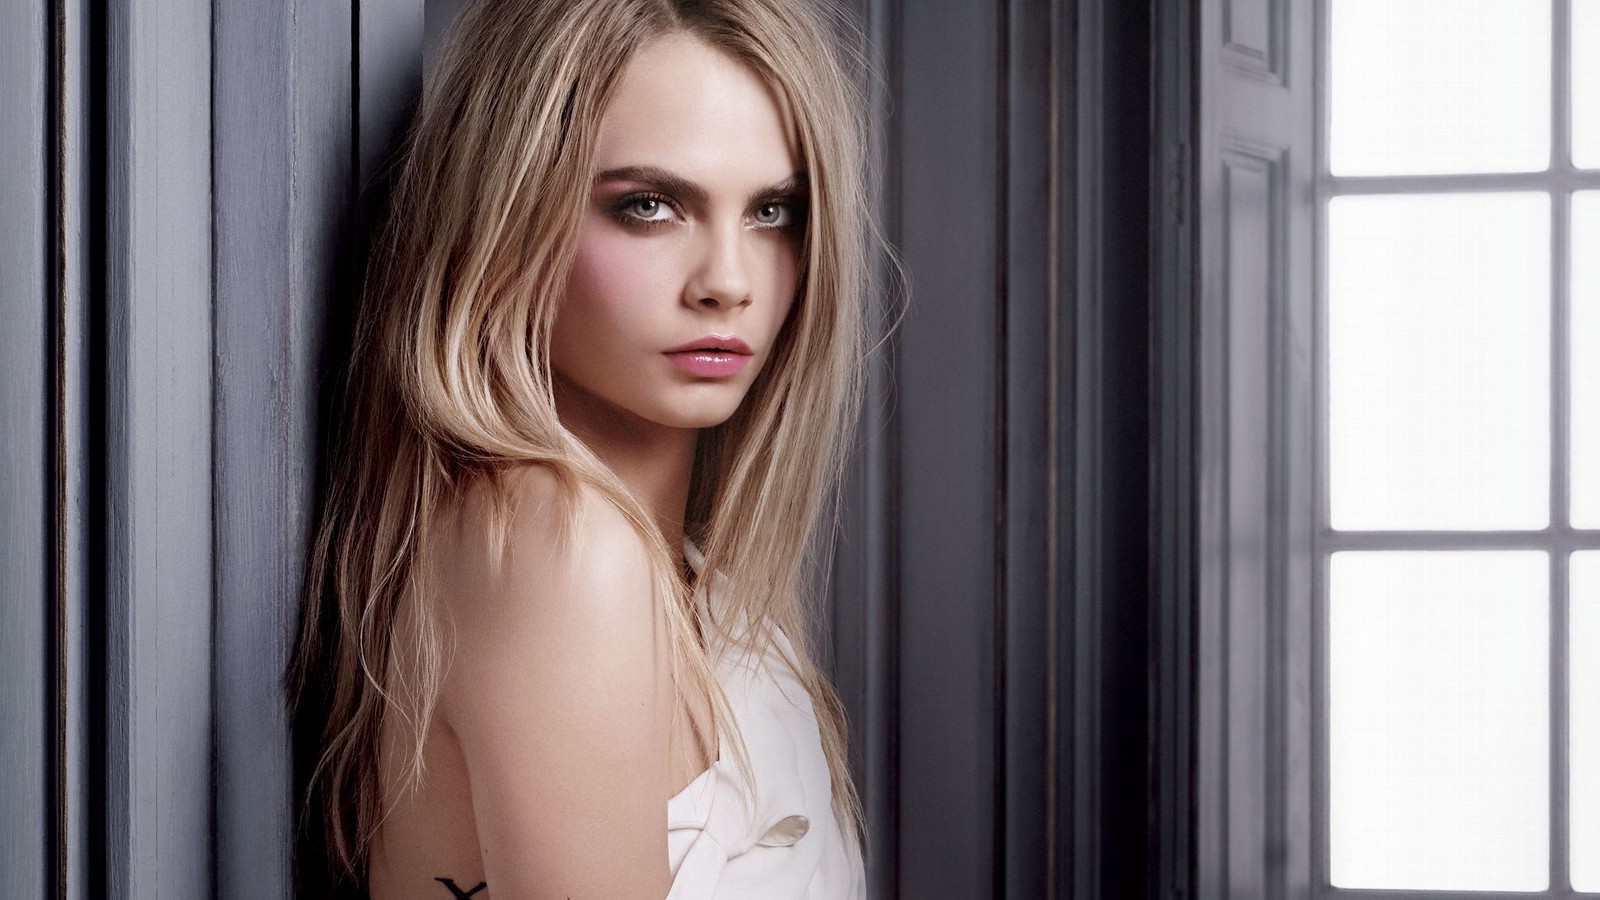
1559, 539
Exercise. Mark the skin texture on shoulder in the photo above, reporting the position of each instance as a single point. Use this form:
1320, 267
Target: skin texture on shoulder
559, 697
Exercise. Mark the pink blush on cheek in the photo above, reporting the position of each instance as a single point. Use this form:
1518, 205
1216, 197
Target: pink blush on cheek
614, 269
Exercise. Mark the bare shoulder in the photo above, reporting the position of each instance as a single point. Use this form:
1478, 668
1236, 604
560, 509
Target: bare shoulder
558, 691
538, 550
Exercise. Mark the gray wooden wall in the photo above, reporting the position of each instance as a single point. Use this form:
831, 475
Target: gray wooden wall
182, 223
27, 489
990, 608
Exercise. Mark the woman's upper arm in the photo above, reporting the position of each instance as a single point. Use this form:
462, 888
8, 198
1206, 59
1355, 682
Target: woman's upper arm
559, 694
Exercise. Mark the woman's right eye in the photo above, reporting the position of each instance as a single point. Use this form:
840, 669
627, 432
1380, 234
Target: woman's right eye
644, 210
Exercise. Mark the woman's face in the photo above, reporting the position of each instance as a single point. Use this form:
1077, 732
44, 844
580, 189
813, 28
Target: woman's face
688, 254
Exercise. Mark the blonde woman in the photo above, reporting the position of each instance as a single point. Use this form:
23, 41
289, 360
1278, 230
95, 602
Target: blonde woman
604, 368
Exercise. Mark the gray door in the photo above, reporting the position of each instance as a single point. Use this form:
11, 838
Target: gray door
1232, 654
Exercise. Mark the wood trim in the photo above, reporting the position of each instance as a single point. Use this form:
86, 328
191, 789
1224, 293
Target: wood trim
284, 204
28, 682
1028, 440
158, 602
80, 711
1173, 646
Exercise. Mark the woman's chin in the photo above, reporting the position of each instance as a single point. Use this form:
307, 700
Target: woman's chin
703, 416
703, 406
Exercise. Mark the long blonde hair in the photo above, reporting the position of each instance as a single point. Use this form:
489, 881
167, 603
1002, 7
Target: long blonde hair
449, 381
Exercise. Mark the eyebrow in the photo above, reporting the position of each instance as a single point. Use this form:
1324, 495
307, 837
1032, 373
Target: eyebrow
679, 186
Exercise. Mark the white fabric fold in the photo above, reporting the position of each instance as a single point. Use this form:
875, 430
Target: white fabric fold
777, 839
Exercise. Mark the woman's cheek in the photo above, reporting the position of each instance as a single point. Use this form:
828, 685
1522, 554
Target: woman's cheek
613, 269
782, 270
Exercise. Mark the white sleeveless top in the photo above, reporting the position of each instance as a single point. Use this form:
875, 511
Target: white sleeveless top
791, 847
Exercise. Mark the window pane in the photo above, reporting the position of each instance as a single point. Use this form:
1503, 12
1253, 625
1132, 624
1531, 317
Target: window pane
1440, 86
1585, 700
1439, 349
1586, 84
1585, 338
1439, 720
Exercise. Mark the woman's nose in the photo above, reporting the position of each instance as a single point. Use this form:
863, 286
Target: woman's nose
721, 276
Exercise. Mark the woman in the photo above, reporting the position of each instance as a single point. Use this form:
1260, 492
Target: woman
604, 369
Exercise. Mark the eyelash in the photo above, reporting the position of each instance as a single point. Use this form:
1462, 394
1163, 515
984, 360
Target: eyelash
619, 211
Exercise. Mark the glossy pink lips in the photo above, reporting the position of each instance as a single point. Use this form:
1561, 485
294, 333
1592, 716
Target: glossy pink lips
712, 356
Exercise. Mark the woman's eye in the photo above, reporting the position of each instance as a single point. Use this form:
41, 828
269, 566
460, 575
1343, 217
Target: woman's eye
651, 210
774, 215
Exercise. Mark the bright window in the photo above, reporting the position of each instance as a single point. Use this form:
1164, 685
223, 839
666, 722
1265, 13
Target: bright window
1460, 610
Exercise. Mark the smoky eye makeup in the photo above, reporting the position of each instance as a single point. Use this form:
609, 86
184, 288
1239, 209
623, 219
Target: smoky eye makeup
648, 197
786, 213
643, 209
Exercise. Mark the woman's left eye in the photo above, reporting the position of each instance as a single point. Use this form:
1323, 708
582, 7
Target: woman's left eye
774, 215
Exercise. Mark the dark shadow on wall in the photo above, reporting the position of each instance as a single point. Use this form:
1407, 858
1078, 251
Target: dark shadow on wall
384, 105
316, 874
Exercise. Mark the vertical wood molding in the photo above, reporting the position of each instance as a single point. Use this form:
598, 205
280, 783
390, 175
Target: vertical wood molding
1106, 466
79, 483
1030, 441
1251, 679
27, 546
1175, 402
284, 197
947, 389
158, 381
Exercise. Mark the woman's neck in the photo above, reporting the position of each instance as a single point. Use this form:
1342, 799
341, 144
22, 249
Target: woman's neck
653, 461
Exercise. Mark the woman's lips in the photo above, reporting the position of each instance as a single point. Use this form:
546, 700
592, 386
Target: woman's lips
712, 356
709, 363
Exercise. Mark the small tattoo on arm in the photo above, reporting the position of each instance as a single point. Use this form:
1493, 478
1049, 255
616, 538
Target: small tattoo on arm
457, 893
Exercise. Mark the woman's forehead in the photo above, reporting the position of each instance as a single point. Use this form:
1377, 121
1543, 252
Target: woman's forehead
687, 107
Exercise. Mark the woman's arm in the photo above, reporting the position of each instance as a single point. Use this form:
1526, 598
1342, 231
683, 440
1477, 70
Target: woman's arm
560, 695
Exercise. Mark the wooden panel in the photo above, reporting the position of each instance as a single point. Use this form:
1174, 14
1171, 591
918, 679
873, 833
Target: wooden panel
948, 384
158, 449
1254, 216
1254, 37
1030, 447
27, 622
1252, 184
285, 188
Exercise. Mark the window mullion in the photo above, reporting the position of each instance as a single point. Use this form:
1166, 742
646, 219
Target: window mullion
1560, 413
1562, 178
1561, 94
